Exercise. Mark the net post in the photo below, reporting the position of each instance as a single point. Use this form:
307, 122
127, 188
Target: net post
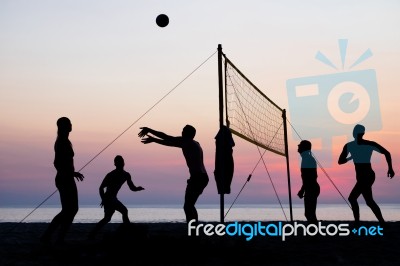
287, 162
221, 120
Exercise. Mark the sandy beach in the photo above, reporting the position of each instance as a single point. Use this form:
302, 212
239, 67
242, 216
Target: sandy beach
169, 244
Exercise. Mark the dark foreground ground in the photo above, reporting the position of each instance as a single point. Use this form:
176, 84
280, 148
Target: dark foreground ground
169, 244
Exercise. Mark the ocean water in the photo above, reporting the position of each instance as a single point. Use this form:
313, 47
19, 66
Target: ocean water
207, 213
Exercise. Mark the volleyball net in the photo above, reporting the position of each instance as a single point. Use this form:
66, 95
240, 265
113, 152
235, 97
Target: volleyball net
250, 114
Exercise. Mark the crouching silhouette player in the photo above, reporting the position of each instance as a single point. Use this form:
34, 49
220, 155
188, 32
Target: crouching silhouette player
113, 182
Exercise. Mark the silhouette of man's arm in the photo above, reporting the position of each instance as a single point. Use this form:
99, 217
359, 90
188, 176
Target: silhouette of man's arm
146, 130
162, 138
78, 176
379, 148
132, 186
101, 190
301, 192
343, 156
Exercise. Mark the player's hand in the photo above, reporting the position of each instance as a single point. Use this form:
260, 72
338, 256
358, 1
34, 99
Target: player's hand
139, 188
143, 132
390, 173
147, 140
101, 204
78, 176
300, 194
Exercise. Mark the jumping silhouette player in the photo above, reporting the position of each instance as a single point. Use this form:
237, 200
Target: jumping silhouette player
109, 189
193, 154
65, 183
310, 188
360, 151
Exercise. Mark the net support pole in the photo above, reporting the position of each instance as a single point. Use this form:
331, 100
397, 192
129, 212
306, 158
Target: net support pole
221, 121
287, 163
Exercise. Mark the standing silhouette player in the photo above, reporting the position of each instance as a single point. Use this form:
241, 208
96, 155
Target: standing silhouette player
193, 154
310, 188
360, 151
65, 182
109, 189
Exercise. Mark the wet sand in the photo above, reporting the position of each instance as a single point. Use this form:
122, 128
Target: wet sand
169, 244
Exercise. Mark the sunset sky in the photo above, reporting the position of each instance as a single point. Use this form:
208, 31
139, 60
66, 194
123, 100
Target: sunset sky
104, 64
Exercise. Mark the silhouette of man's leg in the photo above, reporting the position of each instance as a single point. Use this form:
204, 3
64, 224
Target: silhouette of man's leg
193, 191
123, 210
306, 207
189, 205
310, 206
69, 207
69, 203
354, 194
314, 203
108, 213
46, 237
369, 200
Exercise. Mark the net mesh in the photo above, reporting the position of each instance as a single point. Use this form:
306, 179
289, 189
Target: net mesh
250, 114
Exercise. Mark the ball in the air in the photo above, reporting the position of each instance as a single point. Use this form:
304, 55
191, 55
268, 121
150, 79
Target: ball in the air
162, 20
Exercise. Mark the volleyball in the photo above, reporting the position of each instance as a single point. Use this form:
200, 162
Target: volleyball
162, 20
